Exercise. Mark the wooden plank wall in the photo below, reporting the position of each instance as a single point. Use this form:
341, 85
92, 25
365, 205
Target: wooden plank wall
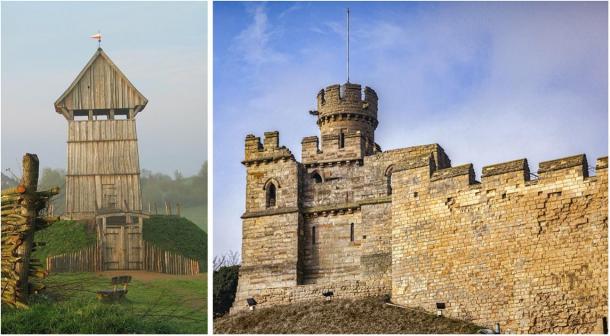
155, 260
102, 153
102, 87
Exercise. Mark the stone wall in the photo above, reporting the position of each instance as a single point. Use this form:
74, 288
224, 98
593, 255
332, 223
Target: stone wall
528, 254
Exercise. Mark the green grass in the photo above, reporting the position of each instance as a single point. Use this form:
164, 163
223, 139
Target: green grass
177, 234
68, 305
197, 215
61, 237
340, 316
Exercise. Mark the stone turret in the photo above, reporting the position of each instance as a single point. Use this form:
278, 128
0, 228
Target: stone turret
347, 111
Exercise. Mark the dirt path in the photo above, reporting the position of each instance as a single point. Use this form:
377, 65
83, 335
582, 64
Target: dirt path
151, 276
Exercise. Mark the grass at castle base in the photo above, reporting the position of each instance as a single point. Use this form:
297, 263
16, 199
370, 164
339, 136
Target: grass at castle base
340, 316
69, 305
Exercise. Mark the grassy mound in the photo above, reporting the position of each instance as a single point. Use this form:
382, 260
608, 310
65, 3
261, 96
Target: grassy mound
170, 233
362, 316
62, 237
177, 234
68, 306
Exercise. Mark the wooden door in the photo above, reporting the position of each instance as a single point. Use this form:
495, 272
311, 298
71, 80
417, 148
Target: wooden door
122, 243
113, 248
133, 242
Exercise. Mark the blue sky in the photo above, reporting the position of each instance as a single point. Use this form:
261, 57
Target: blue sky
160, 46
490, 82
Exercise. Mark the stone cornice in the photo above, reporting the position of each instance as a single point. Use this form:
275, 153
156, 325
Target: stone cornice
334, 209
269, 212
331, 163
268, 159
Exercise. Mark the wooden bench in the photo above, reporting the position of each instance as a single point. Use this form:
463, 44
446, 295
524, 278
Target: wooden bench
116, 292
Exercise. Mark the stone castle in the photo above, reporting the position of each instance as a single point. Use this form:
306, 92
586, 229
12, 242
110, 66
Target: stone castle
527, 251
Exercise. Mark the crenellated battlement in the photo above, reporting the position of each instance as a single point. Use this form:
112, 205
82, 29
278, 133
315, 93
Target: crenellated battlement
347, 98
268, 151
351, 148
347, 102
576, 163
502, 175
601, 164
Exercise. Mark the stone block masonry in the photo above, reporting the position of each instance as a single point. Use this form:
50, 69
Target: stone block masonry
529, 254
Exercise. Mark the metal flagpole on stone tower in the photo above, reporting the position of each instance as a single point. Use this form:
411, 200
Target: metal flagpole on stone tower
347, 44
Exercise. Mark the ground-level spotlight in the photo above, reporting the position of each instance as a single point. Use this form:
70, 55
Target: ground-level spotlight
439, 308
251, 303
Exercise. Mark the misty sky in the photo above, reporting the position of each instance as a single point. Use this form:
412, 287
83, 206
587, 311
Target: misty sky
160, 46
489, 82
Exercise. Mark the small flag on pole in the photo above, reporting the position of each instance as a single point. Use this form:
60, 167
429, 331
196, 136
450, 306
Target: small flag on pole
98, 37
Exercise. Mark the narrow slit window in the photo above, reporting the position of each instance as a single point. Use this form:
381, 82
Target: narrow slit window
271, 195
313, 235
388, 176
351, 232
341, 139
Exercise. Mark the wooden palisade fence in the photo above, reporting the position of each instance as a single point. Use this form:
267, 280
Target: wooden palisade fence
168, 209
21, 207
155, 260
88, 259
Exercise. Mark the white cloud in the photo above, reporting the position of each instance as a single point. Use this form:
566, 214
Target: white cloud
252, 43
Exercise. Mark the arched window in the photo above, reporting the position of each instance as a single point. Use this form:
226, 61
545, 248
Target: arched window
316, 177
388, 175
351, 232
271, 195
341, 139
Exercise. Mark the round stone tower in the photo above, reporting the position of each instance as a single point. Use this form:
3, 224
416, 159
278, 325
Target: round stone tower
348, 110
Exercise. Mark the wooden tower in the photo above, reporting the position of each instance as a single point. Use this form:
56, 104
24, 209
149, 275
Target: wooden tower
103, 164
103, 179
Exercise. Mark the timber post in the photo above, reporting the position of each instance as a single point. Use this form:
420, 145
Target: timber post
28, 210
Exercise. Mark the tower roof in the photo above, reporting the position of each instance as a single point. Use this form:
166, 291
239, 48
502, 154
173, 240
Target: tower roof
100, 86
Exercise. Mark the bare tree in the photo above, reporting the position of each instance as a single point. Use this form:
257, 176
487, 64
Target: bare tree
230, 258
